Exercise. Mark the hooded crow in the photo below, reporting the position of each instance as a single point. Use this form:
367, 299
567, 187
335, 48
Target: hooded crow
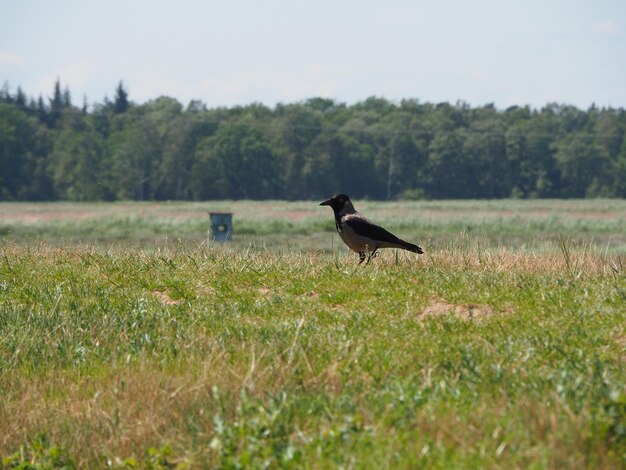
361, 234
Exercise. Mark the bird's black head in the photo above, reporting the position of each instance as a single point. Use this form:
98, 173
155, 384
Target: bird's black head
337, 203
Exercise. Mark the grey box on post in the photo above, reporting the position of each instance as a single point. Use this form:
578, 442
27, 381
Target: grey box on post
221, 226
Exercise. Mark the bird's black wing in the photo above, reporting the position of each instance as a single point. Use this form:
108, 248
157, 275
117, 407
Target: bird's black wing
370, 230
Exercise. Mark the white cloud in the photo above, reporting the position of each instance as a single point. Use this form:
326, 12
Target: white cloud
7, 58
605, 28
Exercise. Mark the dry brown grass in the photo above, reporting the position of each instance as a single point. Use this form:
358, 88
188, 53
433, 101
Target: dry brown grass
128, 409
621, 342
578, 262
113, 415
165, 298
125, 409
437, 307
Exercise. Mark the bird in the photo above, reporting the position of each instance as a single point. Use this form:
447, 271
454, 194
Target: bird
361, 234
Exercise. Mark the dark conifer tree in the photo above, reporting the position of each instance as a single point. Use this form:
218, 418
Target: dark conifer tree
20, 98
121, 103
66, 98
5, 94
56, 105
41, 112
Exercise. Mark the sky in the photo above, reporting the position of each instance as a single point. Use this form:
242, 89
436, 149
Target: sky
238, 52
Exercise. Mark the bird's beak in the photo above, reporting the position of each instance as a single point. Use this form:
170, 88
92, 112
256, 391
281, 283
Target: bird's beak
327, 202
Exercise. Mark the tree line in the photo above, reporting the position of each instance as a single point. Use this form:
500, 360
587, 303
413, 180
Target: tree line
52, 149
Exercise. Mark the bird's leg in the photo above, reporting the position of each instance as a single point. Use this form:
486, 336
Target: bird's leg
361, 256
373, 254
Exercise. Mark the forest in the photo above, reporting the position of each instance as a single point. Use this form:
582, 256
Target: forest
53, 149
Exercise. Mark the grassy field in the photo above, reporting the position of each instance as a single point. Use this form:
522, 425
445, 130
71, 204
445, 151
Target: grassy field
128, 340
281, 226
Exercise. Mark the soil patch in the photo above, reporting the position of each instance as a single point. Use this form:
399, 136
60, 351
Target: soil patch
165, 299
437, 307
296, 215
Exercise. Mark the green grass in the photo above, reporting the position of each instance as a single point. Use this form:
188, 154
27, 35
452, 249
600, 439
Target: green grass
194, 354
279, 225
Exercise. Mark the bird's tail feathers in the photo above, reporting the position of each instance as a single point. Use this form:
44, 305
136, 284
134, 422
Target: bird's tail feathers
411, 247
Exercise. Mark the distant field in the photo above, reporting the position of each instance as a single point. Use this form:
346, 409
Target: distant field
127, 340
278, 225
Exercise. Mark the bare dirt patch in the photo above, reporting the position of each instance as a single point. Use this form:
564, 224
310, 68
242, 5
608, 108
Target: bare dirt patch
581, 210
296, 215
437, 307
39, 216
165, 299
264, 291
